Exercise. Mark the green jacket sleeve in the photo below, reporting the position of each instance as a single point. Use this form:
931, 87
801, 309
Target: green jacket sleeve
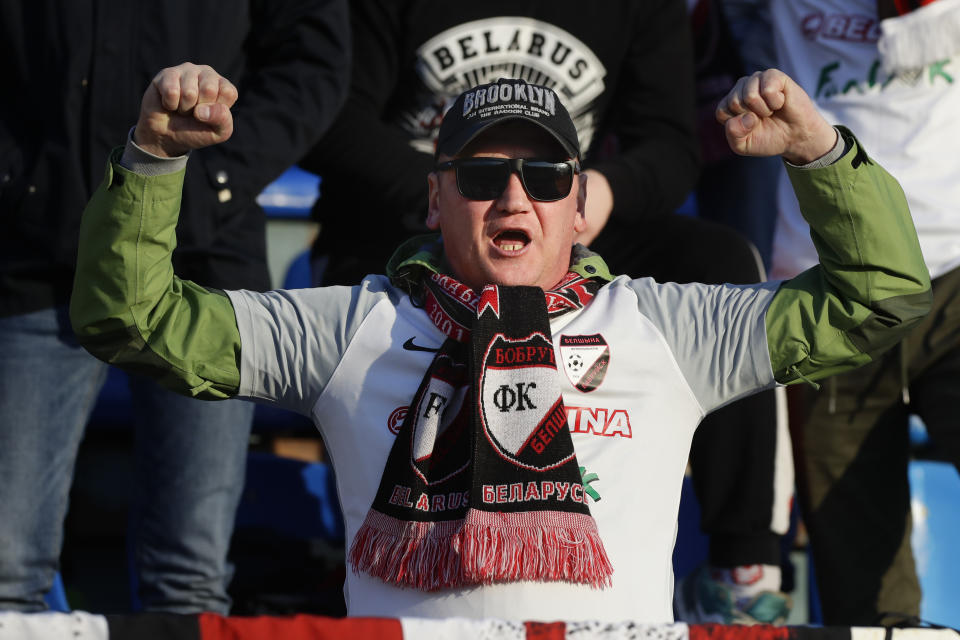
129, 309
871, 285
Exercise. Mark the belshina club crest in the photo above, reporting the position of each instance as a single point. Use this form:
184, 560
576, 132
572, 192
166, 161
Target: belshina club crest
521, 406
585, 360
481, 51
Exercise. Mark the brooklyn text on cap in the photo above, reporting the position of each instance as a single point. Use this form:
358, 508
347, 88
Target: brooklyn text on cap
483, 106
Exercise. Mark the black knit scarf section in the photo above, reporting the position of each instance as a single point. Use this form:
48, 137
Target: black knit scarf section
482, 484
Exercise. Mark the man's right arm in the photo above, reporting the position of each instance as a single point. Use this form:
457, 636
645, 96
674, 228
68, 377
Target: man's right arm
129, 309
127, 306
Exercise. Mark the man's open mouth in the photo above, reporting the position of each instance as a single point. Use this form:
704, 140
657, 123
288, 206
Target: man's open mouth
511, 240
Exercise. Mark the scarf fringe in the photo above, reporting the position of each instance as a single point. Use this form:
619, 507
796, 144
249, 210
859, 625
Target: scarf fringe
922, 37
484, 548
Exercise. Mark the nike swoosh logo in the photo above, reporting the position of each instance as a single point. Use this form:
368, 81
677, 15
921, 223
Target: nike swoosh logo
410, 346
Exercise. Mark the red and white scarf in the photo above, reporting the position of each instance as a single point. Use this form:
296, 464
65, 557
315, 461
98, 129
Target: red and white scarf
917, 33
482, 484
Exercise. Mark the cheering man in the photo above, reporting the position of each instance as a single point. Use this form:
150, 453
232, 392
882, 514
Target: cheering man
509, 423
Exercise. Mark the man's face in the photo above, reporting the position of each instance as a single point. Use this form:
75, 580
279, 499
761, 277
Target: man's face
512, 240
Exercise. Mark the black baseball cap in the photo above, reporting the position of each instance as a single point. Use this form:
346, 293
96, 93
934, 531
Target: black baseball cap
481, 107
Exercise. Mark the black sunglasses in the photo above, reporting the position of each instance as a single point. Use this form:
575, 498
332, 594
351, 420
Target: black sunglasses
486, 178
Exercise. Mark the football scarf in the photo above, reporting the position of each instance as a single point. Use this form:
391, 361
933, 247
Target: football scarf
482, 484
917, 33
890, 8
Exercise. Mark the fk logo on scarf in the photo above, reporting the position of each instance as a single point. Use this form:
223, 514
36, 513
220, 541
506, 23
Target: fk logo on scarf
482, 484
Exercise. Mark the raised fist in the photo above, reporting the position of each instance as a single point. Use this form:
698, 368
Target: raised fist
185, 107
768, 114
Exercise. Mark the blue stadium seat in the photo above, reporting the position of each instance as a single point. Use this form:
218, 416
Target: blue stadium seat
291, 195
292, 498
56, 598
689, 207
692, 546
919, 438
114, 407
298, 273
935, 501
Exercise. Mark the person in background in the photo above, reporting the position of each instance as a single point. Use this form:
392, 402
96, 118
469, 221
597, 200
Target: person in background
626, 76
73, 74
891, 70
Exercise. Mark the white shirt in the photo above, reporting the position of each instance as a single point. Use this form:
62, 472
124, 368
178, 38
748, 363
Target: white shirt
909, 124
676, 352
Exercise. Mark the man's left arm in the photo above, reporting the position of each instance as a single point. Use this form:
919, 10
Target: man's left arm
872, 284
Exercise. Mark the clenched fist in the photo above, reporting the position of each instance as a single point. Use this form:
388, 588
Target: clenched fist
768, 114
185, 107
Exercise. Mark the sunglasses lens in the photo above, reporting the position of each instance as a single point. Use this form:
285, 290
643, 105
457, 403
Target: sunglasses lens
547, 181
486, 178
481, 179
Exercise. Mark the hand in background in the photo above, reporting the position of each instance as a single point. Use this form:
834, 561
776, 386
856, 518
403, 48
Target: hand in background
185, 107
767, 114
